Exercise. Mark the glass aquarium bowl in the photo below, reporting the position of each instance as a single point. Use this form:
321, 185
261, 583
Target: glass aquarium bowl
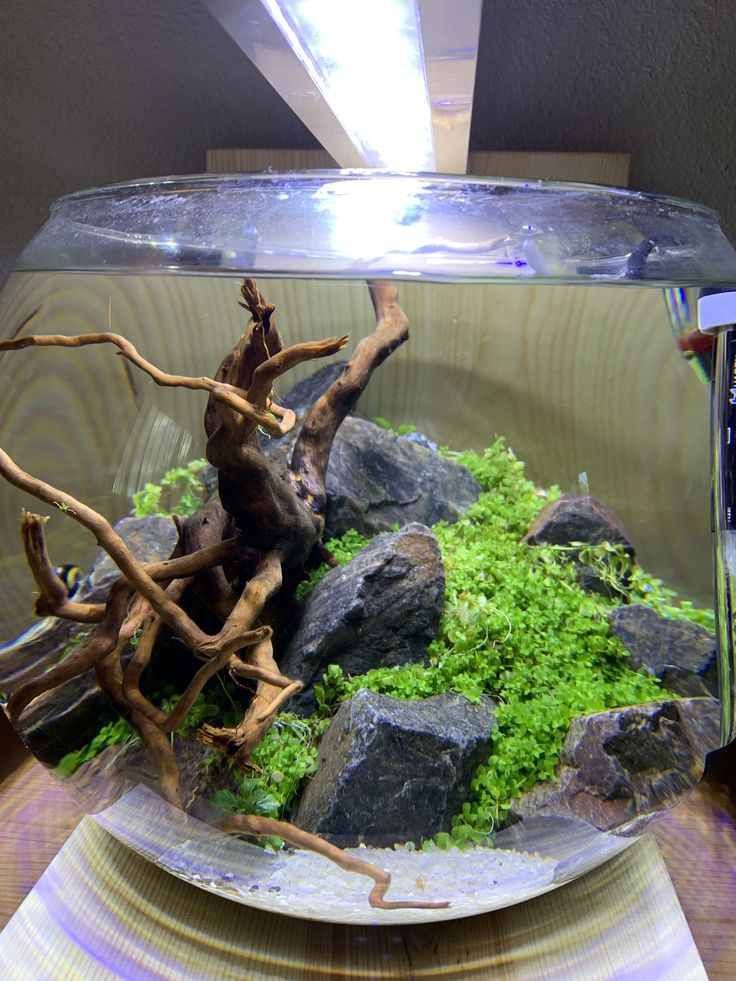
406, 610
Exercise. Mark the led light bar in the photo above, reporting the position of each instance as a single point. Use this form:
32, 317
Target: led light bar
381, 83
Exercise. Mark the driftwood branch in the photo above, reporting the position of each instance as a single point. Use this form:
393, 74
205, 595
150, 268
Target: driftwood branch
53, 598
241, 554
314, 442
235, 397
134, 571
251, 824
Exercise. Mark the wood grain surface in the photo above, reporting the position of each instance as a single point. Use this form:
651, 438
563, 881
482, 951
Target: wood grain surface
697, 840
597, 168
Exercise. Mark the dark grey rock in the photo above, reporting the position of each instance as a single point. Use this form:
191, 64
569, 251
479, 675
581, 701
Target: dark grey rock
391, 771
64, 719
300, 398
574, 518
702, 720
681, 653
380, 609
150, 539
628, 763
209, 479
377, 479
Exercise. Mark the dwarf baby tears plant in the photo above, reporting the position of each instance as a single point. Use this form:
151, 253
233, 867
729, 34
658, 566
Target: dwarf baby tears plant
284, 759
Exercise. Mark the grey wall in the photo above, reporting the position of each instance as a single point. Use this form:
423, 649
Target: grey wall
655, 78
105, 90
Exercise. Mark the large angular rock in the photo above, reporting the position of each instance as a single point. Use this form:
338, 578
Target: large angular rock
380, 609
377, 479
628, 763
576, 518
302, 396
682, 654
391, 771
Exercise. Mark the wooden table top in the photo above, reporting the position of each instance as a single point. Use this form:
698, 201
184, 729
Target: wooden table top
697, 840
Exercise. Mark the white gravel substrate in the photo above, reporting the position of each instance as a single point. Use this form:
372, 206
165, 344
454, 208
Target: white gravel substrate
309, 886
474, 880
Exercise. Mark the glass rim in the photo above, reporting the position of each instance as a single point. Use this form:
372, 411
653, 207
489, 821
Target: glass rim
206, 181
382, 224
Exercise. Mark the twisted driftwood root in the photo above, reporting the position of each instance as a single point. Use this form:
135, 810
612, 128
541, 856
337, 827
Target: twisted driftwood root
243, 553
251, 824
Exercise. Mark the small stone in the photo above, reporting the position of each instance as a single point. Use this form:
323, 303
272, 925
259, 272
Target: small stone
626, 764
575, 518
682, 654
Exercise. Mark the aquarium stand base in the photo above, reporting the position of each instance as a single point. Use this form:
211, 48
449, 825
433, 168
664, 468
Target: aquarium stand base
101, 911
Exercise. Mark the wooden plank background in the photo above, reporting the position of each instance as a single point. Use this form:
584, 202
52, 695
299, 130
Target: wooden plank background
596, 168
103, 912
697, 839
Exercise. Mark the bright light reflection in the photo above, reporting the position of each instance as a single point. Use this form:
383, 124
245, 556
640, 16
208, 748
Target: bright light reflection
365, 57
368, 215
